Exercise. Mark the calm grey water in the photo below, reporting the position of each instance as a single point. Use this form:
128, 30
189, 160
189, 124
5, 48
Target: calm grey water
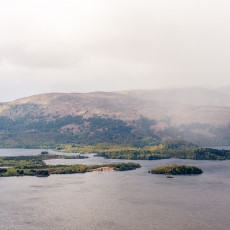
28, 152
129, 200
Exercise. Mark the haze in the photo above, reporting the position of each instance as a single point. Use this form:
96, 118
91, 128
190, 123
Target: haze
83, 46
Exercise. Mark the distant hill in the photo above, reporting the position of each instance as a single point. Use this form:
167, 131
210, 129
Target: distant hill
201, 116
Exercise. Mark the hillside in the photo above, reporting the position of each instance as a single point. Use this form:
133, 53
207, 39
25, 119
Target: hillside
201, 116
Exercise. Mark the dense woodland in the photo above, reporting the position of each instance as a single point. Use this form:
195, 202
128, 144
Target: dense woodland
43, 132
176, 170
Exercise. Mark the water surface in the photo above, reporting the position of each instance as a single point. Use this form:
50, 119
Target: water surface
129, 200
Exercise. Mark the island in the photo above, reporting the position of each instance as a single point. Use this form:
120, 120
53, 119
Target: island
176, 170
35, 166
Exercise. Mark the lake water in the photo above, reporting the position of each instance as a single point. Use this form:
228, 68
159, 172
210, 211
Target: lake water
129, 200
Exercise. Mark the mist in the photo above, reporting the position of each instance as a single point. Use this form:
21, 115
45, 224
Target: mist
85, 46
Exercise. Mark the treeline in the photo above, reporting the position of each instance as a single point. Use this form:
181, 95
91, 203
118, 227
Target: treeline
168, 149
145, 154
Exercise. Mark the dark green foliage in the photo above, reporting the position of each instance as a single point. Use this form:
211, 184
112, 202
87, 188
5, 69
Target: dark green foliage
125, 166
20, 172
41, 131
169, 149
44, 152
2, 170
176, 170
132, 155
177, 144
41, 173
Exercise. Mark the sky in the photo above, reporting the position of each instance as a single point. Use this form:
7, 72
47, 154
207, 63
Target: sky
87, 45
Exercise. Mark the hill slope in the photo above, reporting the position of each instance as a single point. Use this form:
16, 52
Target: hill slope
201, 116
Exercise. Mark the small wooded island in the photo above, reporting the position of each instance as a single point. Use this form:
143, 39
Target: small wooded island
176, 170
35, 166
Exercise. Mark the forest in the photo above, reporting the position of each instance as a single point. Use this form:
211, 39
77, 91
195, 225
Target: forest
176, 170
44, 132
164, 150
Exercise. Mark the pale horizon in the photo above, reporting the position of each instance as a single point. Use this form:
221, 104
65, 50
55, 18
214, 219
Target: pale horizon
86, 46
120, 90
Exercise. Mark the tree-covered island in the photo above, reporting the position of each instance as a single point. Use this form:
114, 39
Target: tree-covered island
176, 170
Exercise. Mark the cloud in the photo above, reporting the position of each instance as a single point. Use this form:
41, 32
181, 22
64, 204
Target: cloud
58, 45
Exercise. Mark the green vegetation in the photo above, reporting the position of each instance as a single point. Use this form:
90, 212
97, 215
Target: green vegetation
168, 149
49, 120
40, 131
35, 166
37, 130
124, 166
176, 170
44, 152
108, 137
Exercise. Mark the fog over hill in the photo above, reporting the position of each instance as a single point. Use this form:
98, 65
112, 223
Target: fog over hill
186, 96
225, 90
199, 115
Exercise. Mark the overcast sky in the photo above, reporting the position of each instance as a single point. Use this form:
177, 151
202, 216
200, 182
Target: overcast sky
107, 45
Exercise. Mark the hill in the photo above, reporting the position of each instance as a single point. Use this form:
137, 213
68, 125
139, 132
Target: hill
200, 116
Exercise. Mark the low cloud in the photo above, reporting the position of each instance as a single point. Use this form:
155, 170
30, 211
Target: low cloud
91, 45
